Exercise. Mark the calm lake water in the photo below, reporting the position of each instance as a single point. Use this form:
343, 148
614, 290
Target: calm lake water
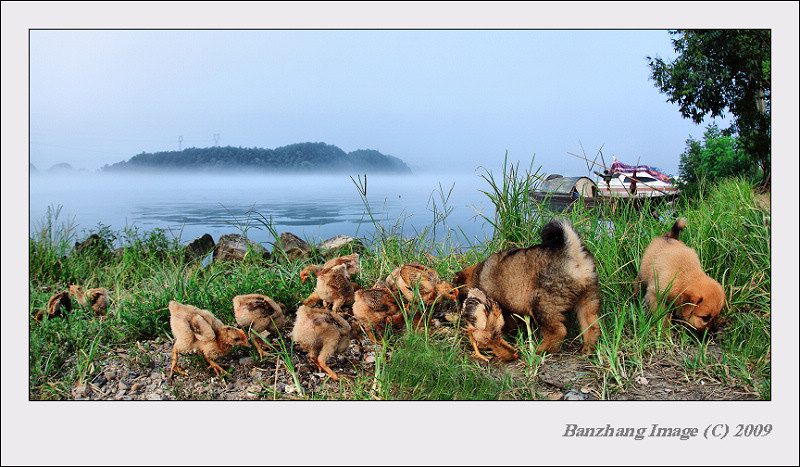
314, 207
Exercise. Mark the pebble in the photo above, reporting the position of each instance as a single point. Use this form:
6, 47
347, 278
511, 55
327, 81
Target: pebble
154, 397
574, 396
256, 373
79, 391
370, 358
110, 375
136, 387
245, 360
253, 392
123, 386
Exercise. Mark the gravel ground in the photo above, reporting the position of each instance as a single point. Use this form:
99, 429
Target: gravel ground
141, 372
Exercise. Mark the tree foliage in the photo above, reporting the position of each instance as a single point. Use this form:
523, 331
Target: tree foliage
718, 71
718, 156
300, 157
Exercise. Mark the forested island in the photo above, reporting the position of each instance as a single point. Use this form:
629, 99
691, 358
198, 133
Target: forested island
300, 157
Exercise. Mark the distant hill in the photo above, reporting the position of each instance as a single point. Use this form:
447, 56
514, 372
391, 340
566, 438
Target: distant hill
60, 168
300, 157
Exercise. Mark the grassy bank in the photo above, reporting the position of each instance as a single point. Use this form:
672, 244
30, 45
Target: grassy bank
728, 229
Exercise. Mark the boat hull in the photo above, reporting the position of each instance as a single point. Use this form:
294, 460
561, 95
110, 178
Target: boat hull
562, 202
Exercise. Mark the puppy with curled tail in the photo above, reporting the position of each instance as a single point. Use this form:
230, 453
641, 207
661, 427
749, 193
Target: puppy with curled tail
543, 281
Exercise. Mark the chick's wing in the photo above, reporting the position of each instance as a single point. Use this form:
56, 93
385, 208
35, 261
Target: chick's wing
202, 330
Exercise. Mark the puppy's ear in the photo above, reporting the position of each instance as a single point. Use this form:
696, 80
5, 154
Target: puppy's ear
686, 302
458, 279
688, 297
463, 280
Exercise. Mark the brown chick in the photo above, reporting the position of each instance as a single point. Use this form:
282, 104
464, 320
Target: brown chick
353, 266
485, 325
199, 331
441, 289
57, 304
333, 287
385, 285
413, 276
322, 334
309, 270
405, 276
96, 299
260, 314
376, 307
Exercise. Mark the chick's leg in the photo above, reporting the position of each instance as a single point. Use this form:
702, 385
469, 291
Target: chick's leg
314, 360
175, 364
370, 334
257, 343
478, 354
214, 366
325, 353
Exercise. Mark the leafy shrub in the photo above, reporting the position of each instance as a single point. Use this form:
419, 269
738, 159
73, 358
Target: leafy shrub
719, 156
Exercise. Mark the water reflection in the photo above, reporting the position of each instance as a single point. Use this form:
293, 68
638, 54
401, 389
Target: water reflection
317, 207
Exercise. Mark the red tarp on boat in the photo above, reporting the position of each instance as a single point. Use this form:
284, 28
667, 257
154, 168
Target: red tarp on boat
619, 167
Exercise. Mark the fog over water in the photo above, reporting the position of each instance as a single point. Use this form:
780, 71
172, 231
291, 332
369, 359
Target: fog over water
314, 207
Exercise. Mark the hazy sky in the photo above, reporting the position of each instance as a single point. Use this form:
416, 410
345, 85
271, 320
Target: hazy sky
439, 100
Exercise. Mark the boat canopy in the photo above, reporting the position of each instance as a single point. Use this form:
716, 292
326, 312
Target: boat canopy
575, 186
619, 167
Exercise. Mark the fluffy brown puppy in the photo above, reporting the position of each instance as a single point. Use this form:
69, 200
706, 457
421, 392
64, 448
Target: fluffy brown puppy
543, 281
668, 265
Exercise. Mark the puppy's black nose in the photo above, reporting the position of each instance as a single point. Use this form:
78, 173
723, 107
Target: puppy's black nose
706, 318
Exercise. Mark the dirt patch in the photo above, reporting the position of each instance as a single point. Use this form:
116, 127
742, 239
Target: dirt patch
141, 373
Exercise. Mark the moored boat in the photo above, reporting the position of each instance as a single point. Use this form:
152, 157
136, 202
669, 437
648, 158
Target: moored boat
621, 183
634, 181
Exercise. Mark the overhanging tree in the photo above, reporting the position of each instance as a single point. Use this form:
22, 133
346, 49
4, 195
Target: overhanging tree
722, 69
